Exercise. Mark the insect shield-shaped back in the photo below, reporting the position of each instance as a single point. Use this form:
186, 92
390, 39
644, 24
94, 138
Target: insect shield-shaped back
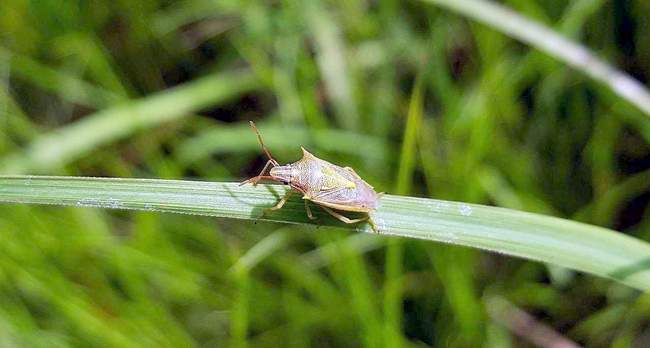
330, 185
324, 183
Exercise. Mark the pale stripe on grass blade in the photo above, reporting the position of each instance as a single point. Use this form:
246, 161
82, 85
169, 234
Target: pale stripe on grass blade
566, 243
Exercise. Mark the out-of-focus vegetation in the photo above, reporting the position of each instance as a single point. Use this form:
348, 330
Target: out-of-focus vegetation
418, 100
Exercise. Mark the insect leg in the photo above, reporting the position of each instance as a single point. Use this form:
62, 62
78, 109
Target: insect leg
266, 166
344, 218
372, 225
279, 205
255, 179
309, 214
260, 176
347, 220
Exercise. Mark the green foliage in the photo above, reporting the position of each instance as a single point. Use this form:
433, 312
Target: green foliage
420, 101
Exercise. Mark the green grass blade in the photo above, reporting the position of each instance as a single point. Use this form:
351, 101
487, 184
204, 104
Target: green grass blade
237, 139
547, 40
67, 87
548, 239
330, 54
73, 141
393, 292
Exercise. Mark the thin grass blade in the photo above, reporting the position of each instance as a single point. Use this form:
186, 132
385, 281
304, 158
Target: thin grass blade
566, 243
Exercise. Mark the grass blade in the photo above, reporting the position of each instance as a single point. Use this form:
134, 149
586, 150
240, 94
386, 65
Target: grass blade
547, 40
548, 239
73, 141
237, 139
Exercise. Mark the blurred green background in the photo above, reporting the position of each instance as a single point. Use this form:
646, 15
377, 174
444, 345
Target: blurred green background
163, 89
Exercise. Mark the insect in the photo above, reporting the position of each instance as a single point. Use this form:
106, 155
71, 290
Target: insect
328, 185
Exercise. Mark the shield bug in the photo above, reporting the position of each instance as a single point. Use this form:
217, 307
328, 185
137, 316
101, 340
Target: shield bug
332, 187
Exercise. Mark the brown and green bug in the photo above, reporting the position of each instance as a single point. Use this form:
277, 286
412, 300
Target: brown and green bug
326, 184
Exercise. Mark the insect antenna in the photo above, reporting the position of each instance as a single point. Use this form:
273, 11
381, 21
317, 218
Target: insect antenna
266, 151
